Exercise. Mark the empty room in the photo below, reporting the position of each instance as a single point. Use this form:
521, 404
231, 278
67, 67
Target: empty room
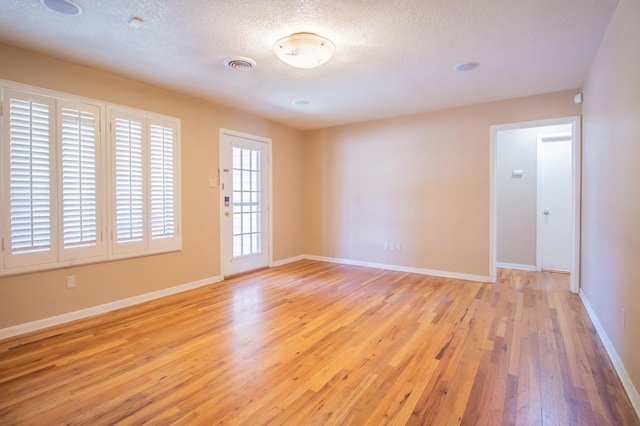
314, 212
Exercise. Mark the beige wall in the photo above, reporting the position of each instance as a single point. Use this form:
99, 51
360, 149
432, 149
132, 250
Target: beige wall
611, 176
35, 296
421, 181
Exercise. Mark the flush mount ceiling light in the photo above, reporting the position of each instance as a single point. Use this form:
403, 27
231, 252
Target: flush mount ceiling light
467, 66
65, 7
304, 50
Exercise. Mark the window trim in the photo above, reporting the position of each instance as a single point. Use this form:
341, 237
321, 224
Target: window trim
104, 186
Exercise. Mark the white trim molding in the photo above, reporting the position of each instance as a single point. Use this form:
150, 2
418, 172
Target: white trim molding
435, 273
530, 268
282, 262
100, 309
632, 392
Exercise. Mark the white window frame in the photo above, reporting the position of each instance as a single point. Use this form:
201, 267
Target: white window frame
106, 248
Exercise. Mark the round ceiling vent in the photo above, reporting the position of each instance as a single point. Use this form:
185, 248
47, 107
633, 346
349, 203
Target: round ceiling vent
65, 7
239, 63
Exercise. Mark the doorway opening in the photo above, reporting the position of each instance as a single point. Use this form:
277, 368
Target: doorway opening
535, 197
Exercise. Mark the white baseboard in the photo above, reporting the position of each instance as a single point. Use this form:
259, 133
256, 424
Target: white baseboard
422, 271
632, 392
100, 309
531, 268
286, 261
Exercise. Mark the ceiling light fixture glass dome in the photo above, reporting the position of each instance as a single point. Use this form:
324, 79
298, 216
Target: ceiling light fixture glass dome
65, 7
304, 50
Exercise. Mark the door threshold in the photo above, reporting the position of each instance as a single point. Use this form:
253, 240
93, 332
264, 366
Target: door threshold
555, 271
239, 274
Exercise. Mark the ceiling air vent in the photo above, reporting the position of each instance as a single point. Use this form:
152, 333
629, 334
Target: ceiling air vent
239, 63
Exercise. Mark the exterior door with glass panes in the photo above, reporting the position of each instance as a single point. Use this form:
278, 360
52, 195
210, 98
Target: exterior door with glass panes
244, 191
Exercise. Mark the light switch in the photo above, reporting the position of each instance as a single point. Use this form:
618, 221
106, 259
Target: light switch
517, 173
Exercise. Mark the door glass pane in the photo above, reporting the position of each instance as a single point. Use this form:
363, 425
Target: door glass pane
237, 245
246, 202
255, 181
237, 207
246, 159
237, 161
255, 160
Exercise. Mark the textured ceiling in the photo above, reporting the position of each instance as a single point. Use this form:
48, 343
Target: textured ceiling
392, 57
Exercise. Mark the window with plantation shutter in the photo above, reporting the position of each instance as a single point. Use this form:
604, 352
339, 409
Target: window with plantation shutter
79, 158
162, 183
146, 183
128, 180
27, 154
73, 191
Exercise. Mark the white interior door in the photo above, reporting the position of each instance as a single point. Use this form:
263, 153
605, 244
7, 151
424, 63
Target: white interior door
555, 208
244, 190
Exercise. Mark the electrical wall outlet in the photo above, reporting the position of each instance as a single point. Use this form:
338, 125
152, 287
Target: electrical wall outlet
71, 281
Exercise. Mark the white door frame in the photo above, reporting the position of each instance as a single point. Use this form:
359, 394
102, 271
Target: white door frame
267, 141
576, 189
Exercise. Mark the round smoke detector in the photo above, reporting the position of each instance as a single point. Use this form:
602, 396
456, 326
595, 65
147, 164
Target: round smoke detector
239, 63
64, 7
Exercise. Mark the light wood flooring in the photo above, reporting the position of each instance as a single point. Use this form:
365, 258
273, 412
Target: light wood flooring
318, 343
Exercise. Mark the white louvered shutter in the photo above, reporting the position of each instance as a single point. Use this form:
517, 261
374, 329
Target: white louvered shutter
79, 164
28, 175
163, 180
129, 183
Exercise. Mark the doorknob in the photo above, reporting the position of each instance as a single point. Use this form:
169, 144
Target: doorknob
546, 212
227, 214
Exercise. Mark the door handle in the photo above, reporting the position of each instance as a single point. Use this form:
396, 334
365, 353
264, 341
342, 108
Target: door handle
546, 212
227, 214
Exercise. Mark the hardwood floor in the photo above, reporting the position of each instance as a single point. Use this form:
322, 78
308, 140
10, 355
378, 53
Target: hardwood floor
318, 343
